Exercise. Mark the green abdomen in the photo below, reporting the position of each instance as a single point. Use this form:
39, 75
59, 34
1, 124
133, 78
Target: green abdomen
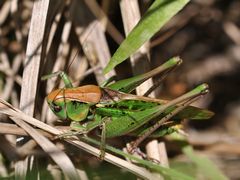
126, 116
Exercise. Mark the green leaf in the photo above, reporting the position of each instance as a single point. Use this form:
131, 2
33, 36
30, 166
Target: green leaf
160, 12
204, 165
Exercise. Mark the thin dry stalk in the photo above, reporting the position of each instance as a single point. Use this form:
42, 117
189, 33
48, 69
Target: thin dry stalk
232, 31
8, 149
18, 116
14, 9
5, 10
104, 21
139, 60
31, 69
58, 156
56, 16
210, 141
29, 90
33, 56
10, 73
62, 54
96, 49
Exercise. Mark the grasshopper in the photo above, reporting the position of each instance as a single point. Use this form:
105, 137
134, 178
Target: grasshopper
112, 107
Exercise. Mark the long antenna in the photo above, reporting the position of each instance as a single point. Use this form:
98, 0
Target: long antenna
74, 58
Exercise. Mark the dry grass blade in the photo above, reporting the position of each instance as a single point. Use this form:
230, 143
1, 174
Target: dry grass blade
8, 149
97, 52
33, 56
16, 114
32, 62
139, 60
104, 21
57, 155
4, 11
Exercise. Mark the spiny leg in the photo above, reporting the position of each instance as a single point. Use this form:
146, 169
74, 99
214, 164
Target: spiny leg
99, 121
103, 141
75, 129
136, 143
78, 129
103, 137
129, 84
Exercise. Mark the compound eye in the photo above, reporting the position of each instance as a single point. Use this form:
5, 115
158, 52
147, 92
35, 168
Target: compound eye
57, 108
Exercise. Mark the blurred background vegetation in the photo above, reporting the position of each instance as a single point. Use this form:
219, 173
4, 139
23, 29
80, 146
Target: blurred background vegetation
205, 34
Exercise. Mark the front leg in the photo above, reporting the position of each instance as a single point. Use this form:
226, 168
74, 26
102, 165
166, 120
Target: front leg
85, 128
103, 137
77, 128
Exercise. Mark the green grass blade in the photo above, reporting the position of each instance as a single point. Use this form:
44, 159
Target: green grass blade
168, 173
204, 165
160, 12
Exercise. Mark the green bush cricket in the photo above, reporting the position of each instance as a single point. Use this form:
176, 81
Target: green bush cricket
118, 112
